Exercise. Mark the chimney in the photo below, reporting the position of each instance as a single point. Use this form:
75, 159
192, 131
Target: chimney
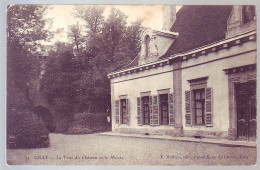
169, 17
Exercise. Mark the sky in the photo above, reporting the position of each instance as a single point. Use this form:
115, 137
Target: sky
62, 16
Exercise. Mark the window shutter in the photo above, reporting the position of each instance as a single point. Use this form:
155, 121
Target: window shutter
128, 112
188, 107
155, 110
139, 111
151, 109
208, 107
117, 108
171, 118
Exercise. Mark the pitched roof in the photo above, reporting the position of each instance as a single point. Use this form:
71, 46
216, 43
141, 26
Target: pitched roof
198, 26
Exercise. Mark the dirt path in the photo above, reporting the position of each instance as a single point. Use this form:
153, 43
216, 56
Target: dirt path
93, 149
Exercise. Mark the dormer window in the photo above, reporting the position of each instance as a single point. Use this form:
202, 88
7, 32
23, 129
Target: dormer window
147, 45
242, 19
249, 13
154, 44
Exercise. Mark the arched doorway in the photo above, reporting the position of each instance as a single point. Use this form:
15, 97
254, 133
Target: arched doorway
45, 114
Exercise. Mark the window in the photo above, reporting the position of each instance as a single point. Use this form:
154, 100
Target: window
155, 110
249, 13
146, 111
164, 112
198, 103
123, 111
147, 46
199, 106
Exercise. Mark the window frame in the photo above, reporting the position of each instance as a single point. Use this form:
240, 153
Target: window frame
123, 115
202, 101
147, 41
143, 110
245, 18
196, 85
160, 109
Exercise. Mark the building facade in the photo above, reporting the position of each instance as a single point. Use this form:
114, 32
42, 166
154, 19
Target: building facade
197, 79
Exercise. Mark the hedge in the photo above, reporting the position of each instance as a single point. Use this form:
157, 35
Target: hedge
26, 129
86, 123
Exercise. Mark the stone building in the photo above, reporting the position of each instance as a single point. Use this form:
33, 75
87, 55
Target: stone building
197, 79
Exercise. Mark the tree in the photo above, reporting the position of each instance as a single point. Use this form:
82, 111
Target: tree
59, 48
118, 45
93, 17
25, 25
25, 28
133, 37
58, 82
93, 21
109, 44
76, 38
114, 32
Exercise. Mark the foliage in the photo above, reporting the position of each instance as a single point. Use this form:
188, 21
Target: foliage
76, 130
25, 30
46, 116
25, 27
62, 72
27, 128
16, 98
76, 38
85, 123
92, 15
76, 73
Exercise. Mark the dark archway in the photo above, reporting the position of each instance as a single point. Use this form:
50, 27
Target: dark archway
45, 114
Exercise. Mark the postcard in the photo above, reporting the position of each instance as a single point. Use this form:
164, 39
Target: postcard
158, 85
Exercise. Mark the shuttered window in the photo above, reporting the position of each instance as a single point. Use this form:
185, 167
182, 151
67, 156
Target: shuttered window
198, 103
155, 110
198, 107
122, 115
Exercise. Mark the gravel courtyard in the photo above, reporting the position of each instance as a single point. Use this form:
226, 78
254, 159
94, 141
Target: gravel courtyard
93, 149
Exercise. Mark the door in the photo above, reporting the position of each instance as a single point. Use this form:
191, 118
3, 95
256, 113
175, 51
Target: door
246, 110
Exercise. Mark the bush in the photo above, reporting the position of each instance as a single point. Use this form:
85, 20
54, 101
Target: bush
85, 123
79, 130
28, 130
62, 124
